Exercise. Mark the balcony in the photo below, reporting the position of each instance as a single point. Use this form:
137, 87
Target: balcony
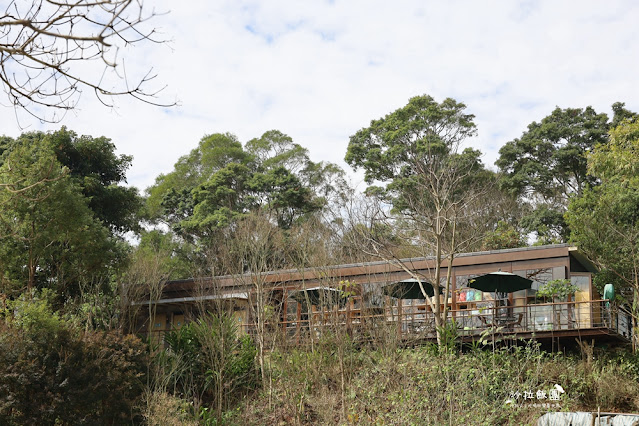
416, 322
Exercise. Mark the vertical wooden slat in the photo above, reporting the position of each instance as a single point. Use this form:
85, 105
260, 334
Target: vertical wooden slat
299, 320
399, 317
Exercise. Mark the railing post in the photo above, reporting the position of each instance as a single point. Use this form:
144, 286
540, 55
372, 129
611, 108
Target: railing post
284, 324
399, 317
348, 317
299, 320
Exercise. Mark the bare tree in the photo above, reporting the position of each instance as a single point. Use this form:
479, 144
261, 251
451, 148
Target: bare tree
254, 249
47, 47
143, 284
440, 219
431, 186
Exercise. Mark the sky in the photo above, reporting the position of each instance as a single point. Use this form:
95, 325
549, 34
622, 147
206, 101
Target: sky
321, 70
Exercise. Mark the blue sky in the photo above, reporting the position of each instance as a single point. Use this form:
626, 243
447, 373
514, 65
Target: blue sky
321, 70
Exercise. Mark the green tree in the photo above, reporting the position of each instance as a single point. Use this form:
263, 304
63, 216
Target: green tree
213, 153
504, 236
49, 234
96, 169
430, 183
605, 220
221, 182
207, 363
94, 165
175, 256
547, 165
621, 114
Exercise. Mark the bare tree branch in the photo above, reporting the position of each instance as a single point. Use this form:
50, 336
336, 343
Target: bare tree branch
47, 45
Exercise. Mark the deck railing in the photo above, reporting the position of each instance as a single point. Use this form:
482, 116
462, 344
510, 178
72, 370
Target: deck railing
417, 321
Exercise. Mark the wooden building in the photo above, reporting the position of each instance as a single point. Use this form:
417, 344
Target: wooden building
301, 304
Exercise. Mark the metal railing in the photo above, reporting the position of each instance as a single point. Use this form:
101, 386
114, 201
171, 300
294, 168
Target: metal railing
418, 321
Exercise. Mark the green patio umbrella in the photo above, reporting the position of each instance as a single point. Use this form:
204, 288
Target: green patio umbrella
408, 289
320, 296
500, 282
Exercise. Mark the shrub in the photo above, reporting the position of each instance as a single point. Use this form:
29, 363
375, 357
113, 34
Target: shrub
424, 385
206, 363
51, 372
557, 288
162, 409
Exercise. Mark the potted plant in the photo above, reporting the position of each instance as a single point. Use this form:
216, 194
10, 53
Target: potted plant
557, 290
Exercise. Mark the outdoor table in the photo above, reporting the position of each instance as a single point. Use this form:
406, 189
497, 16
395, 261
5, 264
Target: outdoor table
503, 321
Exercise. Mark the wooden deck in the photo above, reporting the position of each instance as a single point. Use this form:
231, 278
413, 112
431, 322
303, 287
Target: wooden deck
414, 324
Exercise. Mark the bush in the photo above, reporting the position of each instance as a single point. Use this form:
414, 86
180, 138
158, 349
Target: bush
425, 385
162, 409
206, 363
51, 372
560, 289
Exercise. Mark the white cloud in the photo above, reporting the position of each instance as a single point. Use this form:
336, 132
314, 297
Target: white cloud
319, 71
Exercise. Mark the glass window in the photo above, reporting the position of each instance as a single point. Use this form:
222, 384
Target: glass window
372, 295
583, 282
461, 281
539, 277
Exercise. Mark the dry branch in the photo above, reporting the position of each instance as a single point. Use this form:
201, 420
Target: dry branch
46, 46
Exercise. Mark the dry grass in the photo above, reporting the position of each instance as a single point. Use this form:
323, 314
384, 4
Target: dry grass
422, 386
162, 409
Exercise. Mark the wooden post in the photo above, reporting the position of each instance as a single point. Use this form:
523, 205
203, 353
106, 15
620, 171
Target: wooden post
399, 317
299, 320
453, 294
284, 324
348, 317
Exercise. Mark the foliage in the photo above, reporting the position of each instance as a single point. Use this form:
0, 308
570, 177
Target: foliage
163, 409
423, 386
51, 372
449, 337
607, 276
175, 258
604, 220
504, 236
547, 223
206, 363
432, 186
421, 132
49, 236
94, 165
547, 165
561, 288
96, 171
548, 160
222, 182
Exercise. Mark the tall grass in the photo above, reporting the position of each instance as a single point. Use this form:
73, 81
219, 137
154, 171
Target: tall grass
427, 385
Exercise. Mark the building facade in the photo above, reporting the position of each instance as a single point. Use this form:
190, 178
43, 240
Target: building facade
298, 305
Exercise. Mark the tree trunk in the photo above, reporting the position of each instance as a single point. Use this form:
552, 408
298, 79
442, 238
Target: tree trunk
634, 332
261, 329
439, 321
